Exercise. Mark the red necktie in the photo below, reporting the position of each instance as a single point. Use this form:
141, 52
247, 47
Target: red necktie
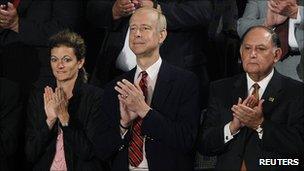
16, 3
136, 143
282, 31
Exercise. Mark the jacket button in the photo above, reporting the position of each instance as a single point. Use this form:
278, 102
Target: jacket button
121, 147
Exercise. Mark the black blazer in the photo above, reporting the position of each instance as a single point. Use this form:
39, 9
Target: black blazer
170, 128
283, 127
10, 118
24, 56
183, 47
83, 108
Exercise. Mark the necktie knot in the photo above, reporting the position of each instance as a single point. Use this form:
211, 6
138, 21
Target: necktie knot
256, 86
144, 75
255, 91
143, 83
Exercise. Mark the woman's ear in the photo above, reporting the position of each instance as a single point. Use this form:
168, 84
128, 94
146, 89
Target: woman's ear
81, 63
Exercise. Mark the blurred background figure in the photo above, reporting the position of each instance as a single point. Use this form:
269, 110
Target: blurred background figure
60, 114
10, 119
25, 26
223, 42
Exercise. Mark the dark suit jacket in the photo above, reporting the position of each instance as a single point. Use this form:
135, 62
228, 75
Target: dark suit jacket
24, 56
183, 47
283, 127
10, 118
83, 108
170, 128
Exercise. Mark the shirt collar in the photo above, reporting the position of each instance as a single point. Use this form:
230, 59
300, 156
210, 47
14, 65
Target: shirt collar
263, 83
152, 70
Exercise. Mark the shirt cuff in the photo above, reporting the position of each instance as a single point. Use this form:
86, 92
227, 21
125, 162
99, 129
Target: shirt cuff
227, 134
260, 134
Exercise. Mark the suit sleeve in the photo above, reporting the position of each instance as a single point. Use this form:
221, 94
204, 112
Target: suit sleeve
180, 133
107, 139
65, 14
9, 118
78, 137
38, 135
251, 17
100, 15
211, 139
186, 15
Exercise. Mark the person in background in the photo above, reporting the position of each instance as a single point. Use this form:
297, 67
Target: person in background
10, 119
25, 26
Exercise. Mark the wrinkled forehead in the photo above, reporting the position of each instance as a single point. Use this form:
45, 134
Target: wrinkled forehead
257, 36
144, 16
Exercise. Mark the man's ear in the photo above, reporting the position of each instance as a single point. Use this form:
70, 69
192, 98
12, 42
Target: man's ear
162, 36
277, 54
241, 50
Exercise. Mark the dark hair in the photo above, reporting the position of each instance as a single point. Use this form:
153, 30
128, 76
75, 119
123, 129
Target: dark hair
73, 40
274, 36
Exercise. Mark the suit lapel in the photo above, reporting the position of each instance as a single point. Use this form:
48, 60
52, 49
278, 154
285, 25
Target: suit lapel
162, 87
271, 93
24, 4
130, 75
239, 89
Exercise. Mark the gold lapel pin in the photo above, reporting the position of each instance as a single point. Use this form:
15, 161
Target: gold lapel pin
271, 99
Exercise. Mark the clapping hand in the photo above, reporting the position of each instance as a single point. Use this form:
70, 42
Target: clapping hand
55, 106
126, 115
273, 18
250, 117
287, 8
61, 106
132, 97
9, 18
49, 106
122, 8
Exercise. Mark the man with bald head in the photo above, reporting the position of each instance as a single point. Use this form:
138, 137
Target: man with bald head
256, 119
151, 113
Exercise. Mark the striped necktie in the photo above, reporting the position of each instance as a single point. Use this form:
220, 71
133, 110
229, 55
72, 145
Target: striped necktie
136, 142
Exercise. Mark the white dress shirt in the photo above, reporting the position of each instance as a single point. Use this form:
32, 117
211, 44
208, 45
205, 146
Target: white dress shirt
152, 72
126, 59
263, 84
291, 29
